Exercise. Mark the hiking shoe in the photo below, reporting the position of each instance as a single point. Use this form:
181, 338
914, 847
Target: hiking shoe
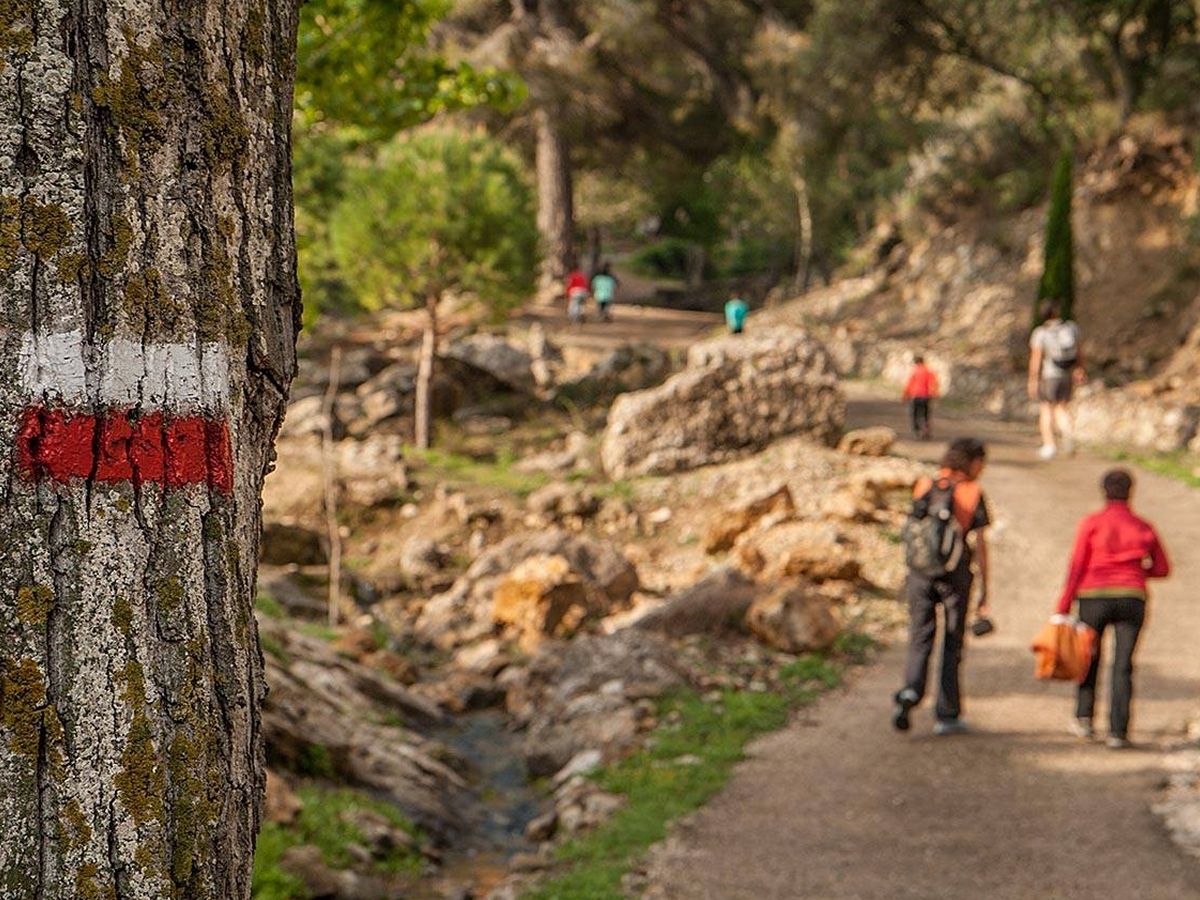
905, 700
1081, 727
1047, 451
1116, 742
947, 727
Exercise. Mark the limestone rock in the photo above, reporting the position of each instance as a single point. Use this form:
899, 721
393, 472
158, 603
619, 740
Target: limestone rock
543, 597
464, 614
1123, 418
560, 500
731, 524
713, 605
875, 441
628, 368
795, 619
281, 805
736, 396
506, 362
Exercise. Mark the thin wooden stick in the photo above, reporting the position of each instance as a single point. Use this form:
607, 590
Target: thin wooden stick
330, 472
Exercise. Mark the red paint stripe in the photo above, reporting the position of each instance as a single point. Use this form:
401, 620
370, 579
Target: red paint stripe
115, 446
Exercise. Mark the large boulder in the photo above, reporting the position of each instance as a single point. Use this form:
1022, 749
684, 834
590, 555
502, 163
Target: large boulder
714, 605
511, 364
466, 612
794, 618
544, 597
730, 524
875, 441
736, 396
628, 368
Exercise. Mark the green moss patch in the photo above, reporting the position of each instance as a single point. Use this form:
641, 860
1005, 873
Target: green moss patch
324, 822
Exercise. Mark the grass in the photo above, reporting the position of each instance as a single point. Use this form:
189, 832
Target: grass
1181, 466
686, 761
269, 606
323, 823
456, 468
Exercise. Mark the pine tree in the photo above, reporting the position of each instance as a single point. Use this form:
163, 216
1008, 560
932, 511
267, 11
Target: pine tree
1058, 274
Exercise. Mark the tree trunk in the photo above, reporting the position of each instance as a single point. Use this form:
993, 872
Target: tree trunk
150, 310
1128, 85
556, 212
804, 234
424, 413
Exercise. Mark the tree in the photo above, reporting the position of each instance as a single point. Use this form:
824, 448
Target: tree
438, 212
150, 312
1058, 273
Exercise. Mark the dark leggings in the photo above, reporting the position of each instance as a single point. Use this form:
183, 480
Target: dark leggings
924, 597
1125, 615
920, 415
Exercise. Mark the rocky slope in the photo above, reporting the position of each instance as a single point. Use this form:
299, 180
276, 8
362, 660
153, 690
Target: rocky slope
960, 290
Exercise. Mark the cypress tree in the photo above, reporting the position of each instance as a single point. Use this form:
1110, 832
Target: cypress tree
1058, 273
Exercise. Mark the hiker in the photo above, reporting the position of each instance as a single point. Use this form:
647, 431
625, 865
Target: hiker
577, 294
736, 311
1115, 553
1055, 367
604, 289
949, 514
920, 391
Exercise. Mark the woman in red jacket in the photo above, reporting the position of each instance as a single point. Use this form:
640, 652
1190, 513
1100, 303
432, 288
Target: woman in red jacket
1115, 553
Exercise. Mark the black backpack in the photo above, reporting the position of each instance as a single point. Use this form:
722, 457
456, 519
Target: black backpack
934, 542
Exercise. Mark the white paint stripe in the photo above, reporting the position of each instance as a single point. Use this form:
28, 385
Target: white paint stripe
175, 376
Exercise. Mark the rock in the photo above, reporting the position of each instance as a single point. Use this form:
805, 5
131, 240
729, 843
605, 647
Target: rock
422, 558
543, 827
281, 804
731, 524
543, 597
286, 543
464, 614
506, 362
820, 563
585, 808
584, 695
628, 368
850, 505
304, 417
876, 441
795, 619
392, 664
486, 657
318, 699
1123, 418
560, 500
660, 516
355, 643
714, 605
735, 397
570, 457
583, 763
371, 471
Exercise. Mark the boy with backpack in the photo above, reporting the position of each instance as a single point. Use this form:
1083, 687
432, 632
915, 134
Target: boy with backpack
920, 390
1055, 367
944, 533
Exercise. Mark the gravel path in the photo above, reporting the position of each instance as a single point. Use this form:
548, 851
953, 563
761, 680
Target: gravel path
1018, 809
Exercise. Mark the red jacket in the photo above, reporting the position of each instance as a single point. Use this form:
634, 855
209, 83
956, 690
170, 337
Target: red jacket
1115, 552
922, 383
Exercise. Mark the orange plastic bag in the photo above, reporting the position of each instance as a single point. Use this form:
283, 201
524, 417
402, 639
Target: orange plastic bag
1064, 649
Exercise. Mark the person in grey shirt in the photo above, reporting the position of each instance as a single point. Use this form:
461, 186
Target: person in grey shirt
1055, 367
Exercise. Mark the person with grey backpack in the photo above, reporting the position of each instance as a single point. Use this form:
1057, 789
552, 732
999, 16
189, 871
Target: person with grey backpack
944, 537
1055, 367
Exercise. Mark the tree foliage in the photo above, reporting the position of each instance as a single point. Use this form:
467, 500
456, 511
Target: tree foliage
437, 211
1058, 272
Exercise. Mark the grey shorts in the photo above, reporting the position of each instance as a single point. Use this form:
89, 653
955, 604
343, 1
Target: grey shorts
1055, 390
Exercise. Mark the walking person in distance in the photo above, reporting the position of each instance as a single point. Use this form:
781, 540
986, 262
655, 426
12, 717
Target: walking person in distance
1115, 554
944, 536
1055, 367
920, 391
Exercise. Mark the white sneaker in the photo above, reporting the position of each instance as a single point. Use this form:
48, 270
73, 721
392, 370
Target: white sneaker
1081, 728
1047, 451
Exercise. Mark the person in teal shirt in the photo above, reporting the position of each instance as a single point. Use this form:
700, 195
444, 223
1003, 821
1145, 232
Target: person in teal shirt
604, 289
736, 311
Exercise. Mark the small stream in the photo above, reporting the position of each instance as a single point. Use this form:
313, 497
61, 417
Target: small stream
507, 800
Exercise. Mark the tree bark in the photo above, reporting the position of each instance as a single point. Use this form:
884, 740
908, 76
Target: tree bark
804, 234
424, 400
556, 209
150, 310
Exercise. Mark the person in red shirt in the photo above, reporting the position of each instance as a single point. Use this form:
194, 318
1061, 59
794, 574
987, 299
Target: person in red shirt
1115, 554
920, 390
577, 294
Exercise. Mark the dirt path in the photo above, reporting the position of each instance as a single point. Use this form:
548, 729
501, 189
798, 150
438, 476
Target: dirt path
1017, 809
631, 324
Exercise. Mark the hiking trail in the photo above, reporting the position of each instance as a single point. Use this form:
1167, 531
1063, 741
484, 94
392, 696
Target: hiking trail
838, 805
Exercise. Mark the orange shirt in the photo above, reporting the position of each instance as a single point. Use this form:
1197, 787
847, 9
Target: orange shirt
922, 383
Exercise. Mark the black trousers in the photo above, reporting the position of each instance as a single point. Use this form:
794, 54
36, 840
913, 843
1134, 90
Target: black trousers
919, 408
953, 595
1125, 615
